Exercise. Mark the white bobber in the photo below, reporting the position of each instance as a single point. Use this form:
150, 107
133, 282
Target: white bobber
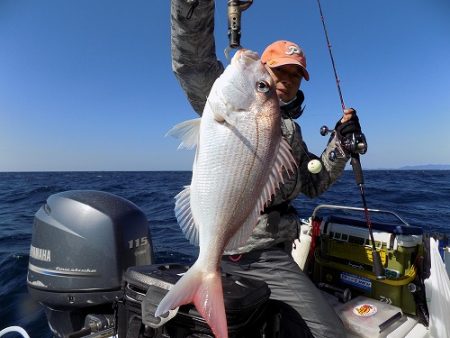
314, 166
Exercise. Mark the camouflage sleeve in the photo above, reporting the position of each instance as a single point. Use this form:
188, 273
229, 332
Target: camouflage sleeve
194, 60
302, 181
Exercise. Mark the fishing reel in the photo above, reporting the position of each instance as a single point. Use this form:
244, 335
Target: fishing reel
354, 143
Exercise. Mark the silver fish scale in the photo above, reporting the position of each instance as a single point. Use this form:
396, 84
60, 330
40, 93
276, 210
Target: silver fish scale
228, 178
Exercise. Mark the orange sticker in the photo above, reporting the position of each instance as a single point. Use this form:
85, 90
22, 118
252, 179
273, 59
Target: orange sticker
365, 310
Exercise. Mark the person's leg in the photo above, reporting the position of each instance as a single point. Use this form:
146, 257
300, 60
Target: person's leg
291, 286
285, 322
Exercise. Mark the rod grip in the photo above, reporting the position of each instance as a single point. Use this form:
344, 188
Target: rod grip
378, 269
357, 169
234, 23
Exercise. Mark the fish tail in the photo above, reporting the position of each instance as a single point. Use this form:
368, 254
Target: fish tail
204, 289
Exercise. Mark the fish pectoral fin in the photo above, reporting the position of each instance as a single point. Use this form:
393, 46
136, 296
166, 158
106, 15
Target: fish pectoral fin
204, 289
188, 132
218, 117
284, 161
184, 216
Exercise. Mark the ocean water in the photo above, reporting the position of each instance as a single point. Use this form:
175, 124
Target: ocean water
422, 198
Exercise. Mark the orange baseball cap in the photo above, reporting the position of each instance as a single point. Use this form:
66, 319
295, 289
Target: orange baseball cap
284, 52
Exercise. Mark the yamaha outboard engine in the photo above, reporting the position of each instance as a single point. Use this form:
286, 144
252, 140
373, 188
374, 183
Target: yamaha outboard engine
82, 243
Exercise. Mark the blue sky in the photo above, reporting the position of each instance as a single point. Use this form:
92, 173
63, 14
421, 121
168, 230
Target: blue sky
87, 84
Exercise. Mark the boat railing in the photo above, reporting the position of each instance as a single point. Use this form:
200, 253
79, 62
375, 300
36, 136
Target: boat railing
342, 207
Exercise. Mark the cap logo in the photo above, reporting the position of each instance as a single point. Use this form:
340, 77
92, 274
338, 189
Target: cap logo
292, 50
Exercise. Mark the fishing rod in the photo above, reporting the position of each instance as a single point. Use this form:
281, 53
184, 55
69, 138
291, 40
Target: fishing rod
331, 57
356, 145
235, 9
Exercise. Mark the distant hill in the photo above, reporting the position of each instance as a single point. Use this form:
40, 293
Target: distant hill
426, 167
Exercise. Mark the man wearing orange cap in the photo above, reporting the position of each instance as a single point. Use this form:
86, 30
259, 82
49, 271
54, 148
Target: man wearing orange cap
266, 255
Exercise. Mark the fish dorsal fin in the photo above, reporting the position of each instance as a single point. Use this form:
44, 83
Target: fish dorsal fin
283, 162
187, 132
184, 215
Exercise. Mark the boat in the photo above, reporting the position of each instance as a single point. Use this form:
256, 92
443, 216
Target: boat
92, 269
396, 304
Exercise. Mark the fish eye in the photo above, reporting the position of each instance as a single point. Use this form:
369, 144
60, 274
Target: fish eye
262, 86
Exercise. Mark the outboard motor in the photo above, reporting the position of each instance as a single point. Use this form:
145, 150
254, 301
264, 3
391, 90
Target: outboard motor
82, 243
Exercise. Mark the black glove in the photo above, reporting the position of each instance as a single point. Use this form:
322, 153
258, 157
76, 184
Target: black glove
349, 127
350, 136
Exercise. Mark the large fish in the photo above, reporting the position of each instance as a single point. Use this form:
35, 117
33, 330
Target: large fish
239, 163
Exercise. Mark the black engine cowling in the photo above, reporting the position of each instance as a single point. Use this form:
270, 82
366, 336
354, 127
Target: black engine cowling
83, 241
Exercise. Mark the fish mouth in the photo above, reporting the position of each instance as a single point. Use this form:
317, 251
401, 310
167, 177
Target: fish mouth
245, 56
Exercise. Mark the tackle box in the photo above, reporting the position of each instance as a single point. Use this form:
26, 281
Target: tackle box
145, 287
344, 258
